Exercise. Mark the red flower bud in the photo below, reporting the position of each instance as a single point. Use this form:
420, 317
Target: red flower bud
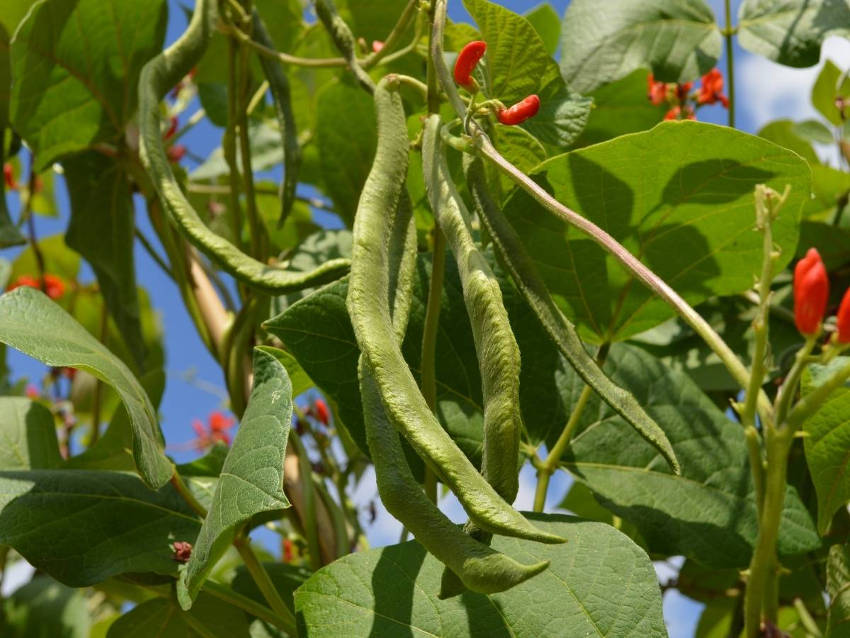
9, 176
321, 412
466, 61
811, 292
520, 111
176, 153
182, 551
843, 319
656, 91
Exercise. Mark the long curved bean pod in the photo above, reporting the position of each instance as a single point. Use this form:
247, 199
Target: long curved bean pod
343, 40
498, 353
371, 318
157, 78
559, 328
279, 87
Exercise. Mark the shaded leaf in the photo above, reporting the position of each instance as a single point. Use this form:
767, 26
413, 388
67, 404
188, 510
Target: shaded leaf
598, 583
826, 89
44, 608
251, 481
27, 435
36, 326
838, 586
162, 618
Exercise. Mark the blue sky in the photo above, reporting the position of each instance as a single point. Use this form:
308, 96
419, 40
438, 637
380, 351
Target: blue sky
765, 92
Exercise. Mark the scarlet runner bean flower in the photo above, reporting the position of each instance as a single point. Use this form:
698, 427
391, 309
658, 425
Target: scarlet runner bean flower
466, 61
680, 113
811, 292
53, 285
520, 112
9, 176
711, 90
321, 412
217, 431
656, 91
843, 319
176, 153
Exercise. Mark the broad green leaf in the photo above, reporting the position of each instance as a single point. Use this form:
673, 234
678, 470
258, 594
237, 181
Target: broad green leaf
838, 586
66, 523
311, 253
33, 324
547, 23
814, 131
830, 188
511, 73
621, 107
827, 443
44, 608
251, 481
599, 583
102, 207
826, 89
791, 31
707, 514
162, 618
266, 153
782, 132
346, 138
603, 42
11, 14
688, 215
27, 435
76, 69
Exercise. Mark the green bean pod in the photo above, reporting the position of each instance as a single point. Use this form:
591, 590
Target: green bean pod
157, 78
559, 328
279, 87
344, 40
498, 353
370, 314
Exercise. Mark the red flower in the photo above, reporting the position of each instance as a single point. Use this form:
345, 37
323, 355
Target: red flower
682, 91
843, 319
656, 91
172, 128
288, 550
9, 176
680, 113
711, 90
321, 412
215, 432
811, 292
176, 153
182, 551
53, 285
520, 112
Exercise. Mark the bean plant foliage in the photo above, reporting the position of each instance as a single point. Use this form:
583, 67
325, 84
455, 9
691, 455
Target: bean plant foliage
446, 251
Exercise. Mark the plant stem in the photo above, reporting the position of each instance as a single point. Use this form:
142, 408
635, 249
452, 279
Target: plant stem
310, 522
185, 492
789, 387
97, 394
428, 381
728, 32
151, 251
264, 583
762, 588
548, 467
394, 36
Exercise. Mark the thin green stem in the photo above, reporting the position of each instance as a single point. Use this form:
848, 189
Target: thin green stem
728, 32
264, 583
394, 36
311, 523
428, 383
806, 619
789, 387
186, 493
754, 453
97, 395
249, 605
229, 143
151, 251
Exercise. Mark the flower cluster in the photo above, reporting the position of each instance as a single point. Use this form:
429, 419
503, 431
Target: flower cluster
811, 295
50, 284
683, 103
216, 431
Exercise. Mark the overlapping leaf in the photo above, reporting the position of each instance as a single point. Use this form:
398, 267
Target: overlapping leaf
27, 435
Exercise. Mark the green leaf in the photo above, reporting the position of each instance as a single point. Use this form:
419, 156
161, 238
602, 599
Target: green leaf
708, 513
76, 67
546, 22
598, 583
162, 618
838, 586
33, 324
11, 14
814, 131
102, 230
826, 89
45, 608
286, 578
827, 442
791, 31
66, 522
603, 42
27, 435
346, 138
830, 188
251, 481
266, 153
688, 215
782, 132
620, 107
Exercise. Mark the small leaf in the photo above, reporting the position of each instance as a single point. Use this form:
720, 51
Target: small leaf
36, 326
782, 132
66, 522
598, 584
76, 68
791, 31
604, 41
251, 481
826, 89
814, 131
27, 436
546, 22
